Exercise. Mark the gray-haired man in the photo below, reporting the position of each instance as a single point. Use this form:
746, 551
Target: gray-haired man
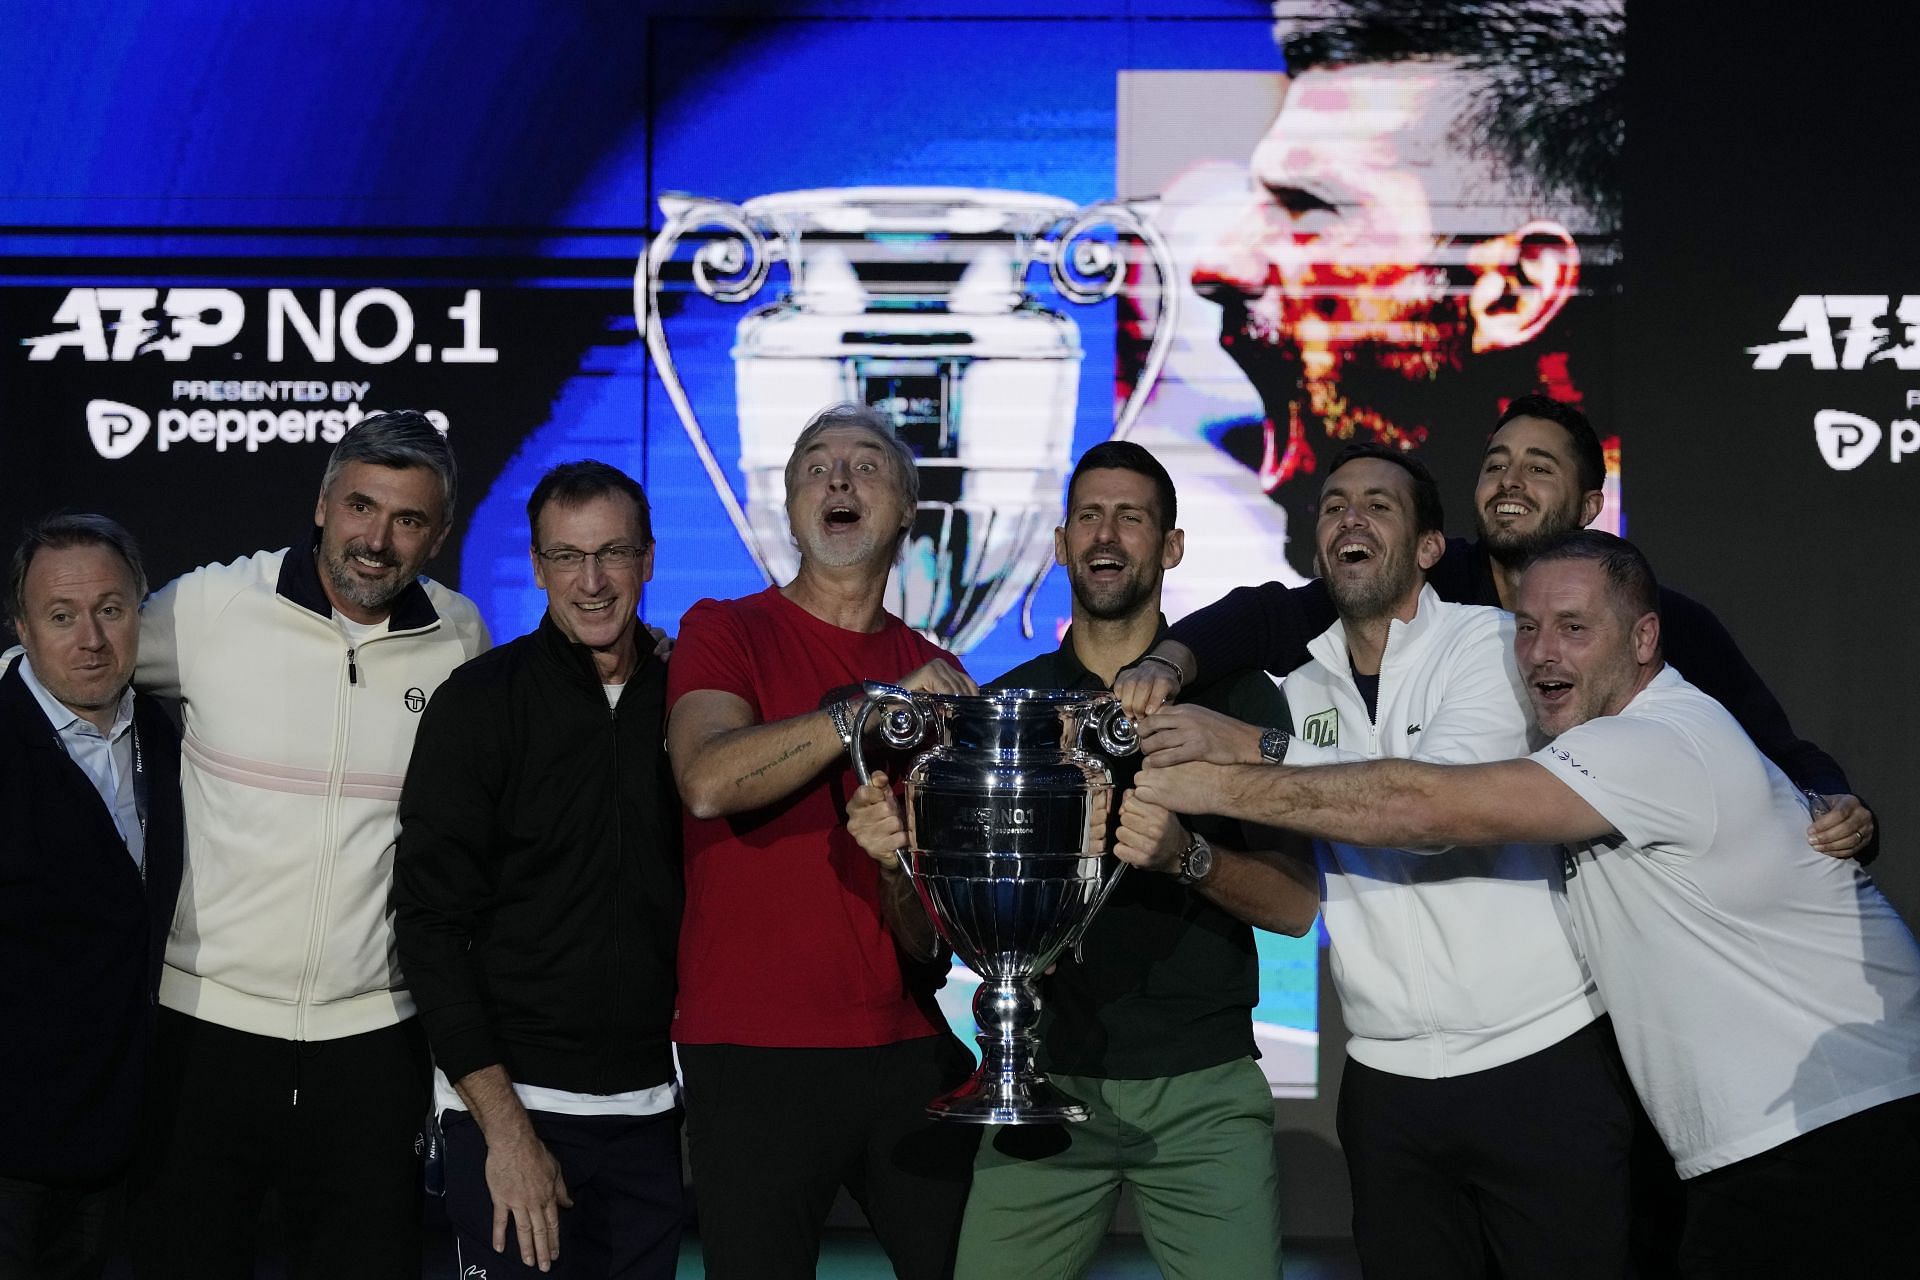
288, 1057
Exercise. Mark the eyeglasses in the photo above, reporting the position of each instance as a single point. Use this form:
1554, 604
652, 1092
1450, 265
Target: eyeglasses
619, 556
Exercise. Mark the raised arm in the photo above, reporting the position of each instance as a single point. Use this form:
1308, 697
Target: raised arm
1405, 804
724, 762
1266, 627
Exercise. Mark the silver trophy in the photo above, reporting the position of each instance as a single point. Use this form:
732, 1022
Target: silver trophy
913, 300
1006, 830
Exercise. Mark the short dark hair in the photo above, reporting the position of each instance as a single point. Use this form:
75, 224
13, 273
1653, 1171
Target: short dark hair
399, 439
66, 529
1551, 103
1125, 455
1589, 459
1629, 576
572, 483
1429, 516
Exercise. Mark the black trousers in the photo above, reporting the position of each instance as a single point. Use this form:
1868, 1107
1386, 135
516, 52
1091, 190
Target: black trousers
327, 1126
1520, 1170
50, 1232
623, 1174
1836, 1203
774, 1133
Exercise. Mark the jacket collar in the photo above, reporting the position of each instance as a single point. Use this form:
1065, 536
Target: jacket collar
1329, 648
576, 658
300, 583
20, 712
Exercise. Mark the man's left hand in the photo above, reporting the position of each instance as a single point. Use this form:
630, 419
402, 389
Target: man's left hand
1148, 837
1844, 829
662, 642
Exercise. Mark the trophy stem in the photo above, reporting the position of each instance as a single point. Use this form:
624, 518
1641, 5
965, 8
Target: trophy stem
1007, 1088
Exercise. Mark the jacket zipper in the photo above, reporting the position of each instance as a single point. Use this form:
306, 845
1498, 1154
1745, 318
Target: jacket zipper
619, 855
329, 852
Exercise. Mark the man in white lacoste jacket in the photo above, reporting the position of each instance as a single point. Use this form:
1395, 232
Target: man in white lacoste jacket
1481, 1106
288, 1056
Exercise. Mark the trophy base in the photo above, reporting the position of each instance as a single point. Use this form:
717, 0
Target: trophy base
991, 1098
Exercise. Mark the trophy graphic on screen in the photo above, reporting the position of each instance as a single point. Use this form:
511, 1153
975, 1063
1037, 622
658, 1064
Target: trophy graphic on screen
914, 300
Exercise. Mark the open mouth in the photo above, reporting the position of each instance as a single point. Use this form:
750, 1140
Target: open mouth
842, 517
1510, 509
372, 564
1552, 690
594, 606
1352, 553
1106, 566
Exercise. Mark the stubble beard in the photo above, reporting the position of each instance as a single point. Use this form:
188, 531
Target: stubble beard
1515, 549
1370, 599
361, 594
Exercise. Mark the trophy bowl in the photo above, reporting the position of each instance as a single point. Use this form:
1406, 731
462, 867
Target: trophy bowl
1006, 822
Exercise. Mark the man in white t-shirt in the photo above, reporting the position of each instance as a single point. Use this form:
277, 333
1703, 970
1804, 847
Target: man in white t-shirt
1766, 998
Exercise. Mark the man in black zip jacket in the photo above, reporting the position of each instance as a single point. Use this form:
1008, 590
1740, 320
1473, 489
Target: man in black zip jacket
1540, 477
537, 898
89, 868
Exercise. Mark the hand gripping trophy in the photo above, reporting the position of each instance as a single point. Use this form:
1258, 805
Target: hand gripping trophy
913, 300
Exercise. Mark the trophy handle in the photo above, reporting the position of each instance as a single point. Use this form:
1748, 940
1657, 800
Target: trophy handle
1117, 735
728, 270
1113, 729
1079, 934
903, 725
1088, 271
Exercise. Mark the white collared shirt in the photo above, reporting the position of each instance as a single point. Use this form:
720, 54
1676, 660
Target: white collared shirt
106, 758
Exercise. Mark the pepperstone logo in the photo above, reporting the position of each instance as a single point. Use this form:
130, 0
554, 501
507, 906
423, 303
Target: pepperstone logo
117, 429
1846, 439
1322, 728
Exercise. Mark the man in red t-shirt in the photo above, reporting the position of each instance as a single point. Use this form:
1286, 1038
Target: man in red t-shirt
809, 1040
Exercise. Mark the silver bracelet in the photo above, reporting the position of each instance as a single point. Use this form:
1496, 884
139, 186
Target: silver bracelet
842, 723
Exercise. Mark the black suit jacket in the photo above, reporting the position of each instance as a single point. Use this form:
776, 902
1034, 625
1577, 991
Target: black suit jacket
82, 936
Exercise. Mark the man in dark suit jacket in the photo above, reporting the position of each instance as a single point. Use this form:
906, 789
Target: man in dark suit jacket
90, 858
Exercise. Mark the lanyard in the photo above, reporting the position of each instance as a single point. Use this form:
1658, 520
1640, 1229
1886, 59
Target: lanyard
140, 783
140, 797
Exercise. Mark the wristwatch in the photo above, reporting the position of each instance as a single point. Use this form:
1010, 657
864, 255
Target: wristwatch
1273, 745
1196, 862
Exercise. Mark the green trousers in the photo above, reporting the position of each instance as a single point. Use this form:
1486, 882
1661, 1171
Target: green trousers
1197, 1149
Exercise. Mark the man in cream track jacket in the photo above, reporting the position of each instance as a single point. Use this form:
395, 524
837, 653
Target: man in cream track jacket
288, 1055
1483, 1108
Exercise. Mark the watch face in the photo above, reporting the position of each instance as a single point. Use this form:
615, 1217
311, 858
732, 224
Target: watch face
1200, 862
1273, 745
